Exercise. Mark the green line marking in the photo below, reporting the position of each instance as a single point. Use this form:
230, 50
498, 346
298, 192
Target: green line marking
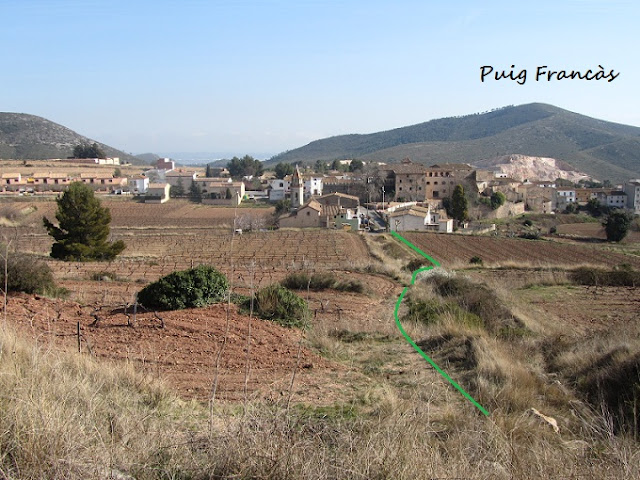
408, 338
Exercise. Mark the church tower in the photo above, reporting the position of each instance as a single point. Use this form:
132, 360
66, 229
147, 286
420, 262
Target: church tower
297, 189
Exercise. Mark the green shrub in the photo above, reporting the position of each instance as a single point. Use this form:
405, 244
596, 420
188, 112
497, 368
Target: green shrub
475, 260
196, 287
527, 223
296, 281
281, 305
27, 274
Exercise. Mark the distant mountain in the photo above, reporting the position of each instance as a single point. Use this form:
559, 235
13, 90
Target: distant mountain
28, 137
600, 149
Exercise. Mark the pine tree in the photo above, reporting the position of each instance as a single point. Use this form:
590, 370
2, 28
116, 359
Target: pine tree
83, 227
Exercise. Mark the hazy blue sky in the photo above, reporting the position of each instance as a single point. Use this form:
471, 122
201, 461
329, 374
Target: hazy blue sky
260, 77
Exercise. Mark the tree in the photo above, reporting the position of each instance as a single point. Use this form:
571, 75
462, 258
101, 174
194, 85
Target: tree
195, 194
617, 224
117, 173
320, 166
244, 167
88, 151
83, 227
283, 169
594, 207
497, 200
356, 165
177, 190
337, 165
459, 204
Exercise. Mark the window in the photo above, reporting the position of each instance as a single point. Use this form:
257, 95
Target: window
435, 183
400, 188
435, 194
308, 214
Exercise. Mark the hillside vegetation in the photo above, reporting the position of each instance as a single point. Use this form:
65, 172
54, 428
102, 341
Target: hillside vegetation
601, 149
28, 137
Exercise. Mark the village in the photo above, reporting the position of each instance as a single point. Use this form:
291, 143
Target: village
406, 196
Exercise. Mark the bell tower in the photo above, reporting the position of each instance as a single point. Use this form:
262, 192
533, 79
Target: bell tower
297, 189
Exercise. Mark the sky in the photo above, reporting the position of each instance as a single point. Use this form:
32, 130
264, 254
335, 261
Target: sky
236, 77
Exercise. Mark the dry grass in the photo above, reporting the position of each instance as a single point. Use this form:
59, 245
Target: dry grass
67, 416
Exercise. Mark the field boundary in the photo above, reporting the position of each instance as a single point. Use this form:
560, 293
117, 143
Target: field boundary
435, 263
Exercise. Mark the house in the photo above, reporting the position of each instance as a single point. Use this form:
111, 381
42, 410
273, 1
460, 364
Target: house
138, 184
419, 219
102, 181
177, 177
565, 197
11, 178
314, 214
340, 200
48, 181
410, 181
616, 199
441, 179
157, 193
280, 188
224, 192
632, 189
165, 164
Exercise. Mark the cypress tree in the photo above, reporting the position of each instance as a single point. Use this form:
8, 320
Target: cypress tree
459, 204
83, 227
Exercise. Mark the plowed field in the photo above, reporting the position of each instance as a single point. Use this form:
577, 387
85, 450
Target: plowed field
460, 249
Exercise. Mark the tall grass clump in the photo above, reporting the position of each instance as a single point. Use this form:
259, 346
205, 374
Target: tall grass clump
320, 281
281, 305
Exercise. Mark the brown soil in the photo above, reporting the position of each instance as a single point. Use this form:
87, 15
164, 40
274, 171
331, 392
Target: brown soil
185, 350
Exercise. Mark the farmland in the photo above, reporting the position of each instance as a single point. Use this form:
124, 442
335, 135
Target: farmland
458, 250
351, 380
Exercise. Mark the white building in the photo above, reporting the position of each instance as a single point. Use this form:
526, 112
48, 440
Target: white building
138, 184
564, 197
617, 199
280, 189
157, 193
632, 189
416, 218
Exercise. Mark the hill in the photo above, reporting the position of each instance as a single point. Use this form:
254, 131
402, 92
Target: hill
28, 137
598, 148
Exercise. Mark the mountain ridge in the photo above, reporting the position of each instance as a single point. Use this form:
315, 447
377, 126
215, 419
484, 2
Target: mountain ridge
599, 148
29, 137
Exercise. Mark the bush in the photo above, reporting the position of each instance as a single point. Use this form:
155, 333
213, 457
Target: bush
475, 260
417, 263
281, 305
27, 274
527, 223
196, 287
530, 235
